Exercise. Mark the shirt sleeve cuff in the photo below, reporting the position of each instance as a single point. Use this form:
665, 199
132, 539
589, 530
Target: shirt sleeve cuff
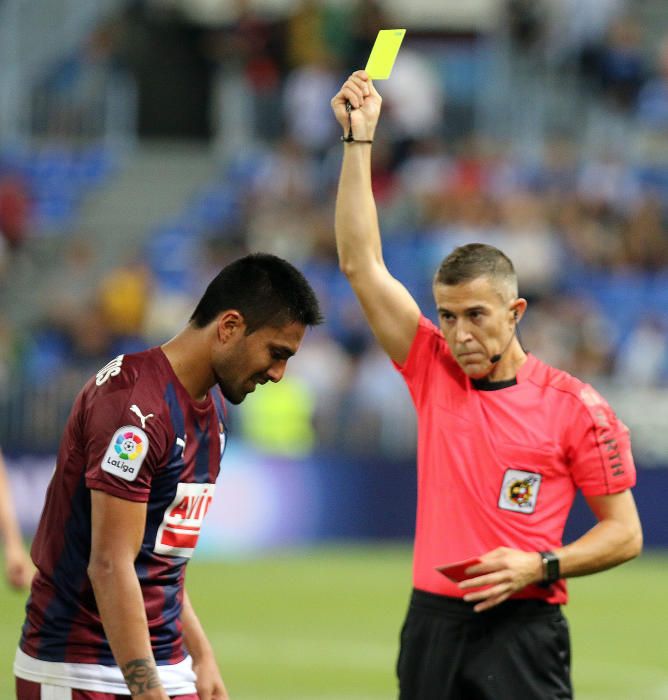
118, 491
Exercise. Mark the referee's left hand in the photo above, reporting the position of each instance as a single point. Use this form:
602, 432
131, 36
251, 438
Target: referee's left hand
503, 571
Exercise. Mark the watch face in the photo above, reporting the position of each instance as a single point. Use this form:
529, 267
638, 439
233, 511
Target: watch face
551, 566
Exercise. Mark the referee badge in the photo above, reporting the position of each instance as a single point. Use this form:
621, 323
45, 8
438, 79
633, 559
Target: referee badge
519, 491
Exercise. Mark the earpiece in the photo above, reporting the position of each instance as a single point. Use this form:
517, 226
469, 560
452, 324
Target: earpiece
495, 358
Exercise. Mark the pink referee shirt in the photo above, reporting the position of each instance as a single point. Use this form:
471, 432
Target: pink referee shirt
501, 467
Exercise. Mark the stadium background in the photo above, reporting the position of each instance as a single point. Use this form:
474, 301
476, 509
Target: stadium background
145, 144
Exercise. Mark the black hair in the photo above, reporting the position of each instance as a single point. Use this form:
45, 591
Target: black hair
265, 289
475, 260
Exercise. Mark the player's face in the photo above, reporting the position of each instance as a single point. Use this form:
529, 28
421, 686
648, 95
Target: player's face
476, 322
248, 360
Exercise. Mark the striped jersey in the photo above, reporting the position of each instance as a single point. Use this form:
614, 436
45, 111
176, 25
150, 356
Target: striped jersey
134, 432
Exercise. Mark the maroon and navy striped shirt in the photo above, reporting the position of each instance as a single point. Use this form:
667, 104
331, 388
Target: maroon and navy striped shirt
134, 432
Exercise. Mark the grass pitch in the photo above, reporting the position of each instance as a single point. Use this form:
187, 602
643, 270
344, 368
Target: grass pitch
323, 624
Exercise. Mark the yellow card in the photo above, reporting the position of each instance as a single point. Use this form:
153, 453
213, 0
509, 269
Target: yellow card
384, 53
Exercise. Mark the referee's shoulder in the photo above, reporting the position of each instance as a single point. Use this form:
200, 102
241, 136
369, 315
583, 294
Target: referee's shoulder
561, 381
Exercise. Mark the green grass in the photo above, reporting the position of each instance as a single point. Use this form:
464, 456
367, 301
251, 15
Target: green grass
323, 624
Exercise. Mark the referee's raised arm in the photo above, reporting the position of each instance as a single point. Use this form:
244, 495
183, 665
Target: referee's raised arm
389, 308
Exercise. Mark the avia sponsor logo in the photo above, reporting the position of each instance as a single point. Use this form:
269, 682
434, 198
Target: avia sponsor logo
179, 531
519, 491
126, 452
111, 369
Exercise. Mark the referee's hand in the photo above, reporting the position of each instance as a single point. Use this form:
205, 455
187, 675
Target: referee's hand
503, 571
365, 104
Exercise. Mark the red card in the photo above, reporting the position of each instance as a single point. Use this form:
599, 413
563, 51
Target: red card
457, 570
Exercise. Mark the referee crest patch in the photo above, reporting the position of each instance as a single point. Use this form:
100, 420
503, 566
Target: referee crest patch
519, 491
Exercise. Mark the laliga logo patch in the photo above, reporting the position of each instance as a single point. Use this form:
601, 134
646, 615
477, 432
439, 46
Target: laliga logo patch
519, 491
126, 452
129, 445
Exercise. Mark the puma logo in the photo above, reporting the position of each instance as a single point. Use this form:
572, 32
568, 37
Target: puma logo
143, 418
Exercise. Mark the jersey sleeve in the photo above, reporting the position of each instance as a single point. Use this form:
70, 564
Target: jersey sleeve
599, 448
427, 345
121, 456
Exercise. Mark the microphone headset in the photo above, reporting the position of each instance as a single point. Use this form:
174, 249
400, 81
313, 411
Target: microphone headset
496, 357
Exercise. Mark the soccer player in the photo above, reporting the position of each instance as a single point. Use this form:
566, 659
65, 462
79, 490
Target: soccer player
504, 442
18, 568
109, 614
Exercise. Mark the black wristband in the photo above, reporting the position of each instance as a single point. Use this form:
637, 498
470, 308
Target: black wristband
349, 137
551, 571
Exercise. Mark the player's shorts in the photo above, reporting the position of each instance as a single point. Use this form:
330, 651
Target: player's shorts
27, 690
519, 649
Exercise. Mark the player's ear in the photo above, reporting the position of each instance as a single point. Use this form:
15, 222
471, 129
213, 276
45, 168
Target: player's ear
229, 324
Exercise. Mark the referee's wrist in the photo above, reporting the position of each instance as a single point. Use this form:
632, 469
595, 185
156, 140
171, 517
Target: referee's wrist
550, 569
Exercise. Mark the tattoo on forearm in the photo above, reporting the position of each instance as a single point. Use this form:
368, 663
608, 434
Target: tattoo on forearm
141, 675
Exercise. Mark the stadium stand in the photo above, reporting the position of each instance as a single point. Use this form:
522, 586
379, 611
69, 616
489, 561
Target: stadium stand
533, 161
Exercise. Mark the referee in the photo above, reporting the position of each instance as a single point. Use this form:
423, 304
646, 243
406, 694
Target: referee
504, 443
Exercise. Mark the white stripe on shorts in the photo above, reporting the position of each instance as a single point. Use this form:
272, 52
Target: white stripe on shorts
55, 692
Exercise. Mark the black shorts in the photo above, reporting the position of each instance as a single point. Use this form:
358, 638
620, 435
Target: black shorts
519, 650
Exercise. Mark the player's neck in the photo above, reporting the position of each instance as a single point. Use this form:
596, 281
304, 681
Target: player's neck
188, 354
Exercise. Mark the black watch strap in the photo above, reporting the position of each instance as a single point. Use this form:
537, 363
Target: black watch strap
551, 571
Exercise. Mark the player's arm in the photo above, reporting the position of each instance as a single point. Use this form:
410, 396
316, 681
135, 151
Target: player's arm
390, 310
18, 567
616, 538
117, 531
210, 684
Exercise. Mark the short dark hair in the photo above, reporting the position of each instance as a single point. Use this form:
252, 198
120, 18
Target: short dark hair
265, 289
474, 260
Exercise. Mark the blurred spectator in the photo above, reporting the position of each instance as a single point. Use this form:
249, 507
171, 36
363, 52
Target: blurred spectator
280, 419
14, 208
643, 358
123, 295
315, 30
366, 18
9, 351
76, 273
569, 330
305, 101
286, 174
606, 180
527, 23
414, 98
248, 79
18, 567
653, 100
577, 30
652, 123
329, 387
646, 238
622, 71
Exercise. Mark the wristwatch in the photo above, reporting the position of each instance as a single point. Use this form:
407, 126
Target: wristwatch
550, 567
